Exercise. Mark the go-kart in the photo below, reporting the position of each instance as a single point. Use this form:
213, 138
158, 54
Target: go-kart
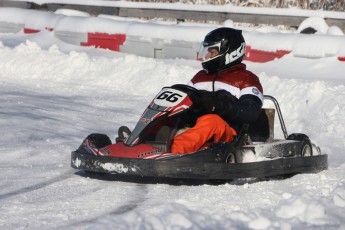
145, 151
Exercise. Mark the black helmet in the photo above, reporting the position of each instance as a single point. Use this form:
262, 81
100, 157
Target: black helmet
230, 45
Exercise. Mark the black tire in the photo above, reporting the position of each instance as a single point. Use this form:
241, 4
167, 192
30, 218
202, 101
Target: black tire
309, 30
306, 148
99, 140
124, 132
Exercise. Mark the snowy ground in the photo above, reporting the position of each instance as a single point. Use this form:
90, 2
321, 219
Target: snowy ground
53, 95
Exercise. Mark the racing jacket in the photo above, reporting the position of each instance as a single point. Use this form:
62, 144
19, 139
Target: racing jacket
242, 84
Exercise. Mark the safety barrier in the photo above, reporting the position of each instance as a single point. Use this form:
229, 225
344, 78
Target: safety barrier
154, 9
105, 41
125, 36
255, 55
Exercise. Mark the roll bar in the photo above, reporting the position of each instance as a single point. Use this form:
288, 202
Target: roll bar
276, 104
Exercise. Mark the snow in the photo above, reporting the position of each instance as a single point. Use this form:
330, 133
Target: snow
54, 94
314, 22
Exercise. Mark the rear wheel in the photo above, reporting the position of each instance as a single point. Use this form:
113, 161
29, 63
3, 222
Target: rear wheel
306, 146
307, 149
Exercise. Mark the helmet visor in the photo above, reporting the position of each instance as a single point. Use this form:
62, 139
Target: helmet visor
208, 52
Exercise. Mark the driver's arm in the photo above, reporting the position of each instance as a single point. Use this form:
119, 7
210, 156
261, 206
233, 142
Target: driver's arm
246, 109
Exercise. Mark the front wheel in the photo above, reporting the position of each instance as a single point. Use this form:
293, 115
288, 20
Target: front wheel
123, 133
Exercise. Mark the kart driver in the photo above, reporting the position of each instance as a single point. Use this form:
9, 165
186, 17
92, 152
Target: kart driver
230, 94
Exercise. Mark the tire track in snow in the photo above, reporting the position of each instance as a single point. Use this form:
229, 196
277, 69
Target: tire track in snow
37, 186
138, 197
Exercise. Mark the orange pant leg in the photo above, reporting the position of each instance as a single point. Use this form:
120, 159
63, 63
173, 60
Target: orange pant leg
206, 127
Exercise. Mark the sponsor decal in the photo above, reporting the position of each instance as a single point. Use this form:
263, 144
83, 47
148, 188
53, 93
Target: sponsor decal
106, 151
155, 152
255, 91
145, 120
236, 54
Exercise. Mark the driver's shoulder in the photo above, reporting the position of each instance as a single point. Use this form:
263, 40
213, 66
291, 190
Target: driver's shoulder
201, 76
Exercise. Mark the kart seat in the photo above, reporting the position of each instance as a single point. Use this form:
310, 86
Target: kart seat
162, 139
263, 129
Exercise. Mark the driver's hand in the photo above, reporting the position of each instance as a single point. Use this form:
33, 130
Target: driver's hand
212, 102
205, 102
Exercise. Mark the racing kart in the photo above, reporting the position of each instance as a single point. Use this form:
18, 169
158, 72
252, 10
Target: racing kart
145, 151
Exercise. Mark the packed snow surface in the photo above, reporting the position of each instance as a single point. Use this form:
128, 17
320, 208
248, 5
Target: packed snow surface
54, 94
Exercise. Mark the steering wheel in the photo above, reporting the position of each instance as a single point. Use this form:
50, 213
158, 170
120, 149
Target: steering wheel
187, 89
195, 95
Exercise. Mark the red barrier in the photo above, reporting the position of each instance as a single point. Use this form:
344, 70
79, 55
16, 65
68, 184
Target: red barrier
263, 56
105, 41
30, 31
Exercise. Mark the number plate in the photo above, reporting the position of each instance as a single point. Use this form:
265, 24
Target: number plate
169, 97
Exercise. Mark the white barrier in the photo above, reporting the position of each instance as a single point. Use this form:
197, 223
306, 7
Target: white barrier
10, 27
158, 40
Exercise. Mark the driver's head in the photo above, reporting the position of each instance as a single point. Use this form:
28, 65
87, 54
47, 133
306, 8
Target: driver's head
211, 53
221, 49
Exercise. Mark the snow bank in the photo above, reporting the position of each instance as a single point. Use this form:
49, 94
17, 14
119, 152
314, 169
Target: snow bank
33, 19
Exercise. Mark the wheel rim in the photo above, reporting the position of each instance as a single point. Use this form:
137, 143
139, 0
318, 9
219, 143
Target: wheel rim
306, 152
231, 159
